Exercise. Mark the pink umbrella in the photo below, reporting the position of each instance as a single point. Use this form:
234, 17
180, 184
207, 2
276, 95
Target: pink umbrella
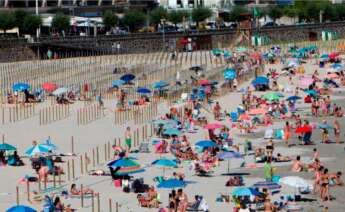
332, 76
50, 87
213, 126
305, 81
257, 111
333, 55
204, 82
244, 117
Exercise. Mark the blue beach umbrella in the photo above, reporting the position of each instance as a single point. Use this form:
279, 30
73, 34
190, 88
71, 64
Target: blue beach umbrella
20, 86
337, 65
311, 92
325, 126
293, 98
142, 90
229, 74
229, 155
171, 131
48, 143
324, 56
127, 77
217, 51
171, 183
267, 184
164, 162
160, 84
37, 149
21, 208
260, 80
7, 147
244, 191
117, 83
206, 144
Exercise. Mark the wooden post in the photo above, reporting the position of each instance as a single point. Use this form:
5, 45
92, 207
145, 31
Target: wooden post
60, 180
93, 158
86, 162
110, 205
68, 171
81, 165
98, 203
17, 195
105, 152
97, 155
54, 180
117, 207
72, 144
28, 190
82, 195
92, 202
73, 171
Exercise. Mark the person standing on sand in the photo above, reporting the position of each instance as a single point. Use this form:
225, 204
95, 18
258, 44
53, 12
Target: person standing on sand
287, 133
336, 129
128, 139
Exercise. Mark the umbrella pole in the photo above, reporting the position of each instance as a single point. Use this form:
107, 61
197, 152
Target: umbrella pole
228, 166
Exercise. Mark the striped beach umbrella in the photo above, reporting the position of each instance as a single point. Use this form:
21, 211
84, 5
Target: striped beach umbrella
37, 150
126, 166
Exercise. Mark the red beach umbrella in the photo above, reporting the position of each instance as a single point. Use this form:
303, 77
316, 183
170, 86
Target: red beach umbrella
50, 87
213, 126
303, 129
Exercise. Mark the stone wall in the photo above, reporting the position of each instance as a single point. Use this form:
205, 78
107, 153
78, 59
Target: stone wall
17, 53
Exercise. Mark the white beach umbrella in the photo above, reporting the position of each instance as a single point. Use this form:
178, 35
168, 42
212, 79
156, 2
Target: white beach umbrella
296, 182
60, 91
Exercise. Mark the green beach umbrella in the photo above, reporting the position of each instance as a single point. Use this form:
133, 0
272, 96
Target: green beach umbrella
271, 96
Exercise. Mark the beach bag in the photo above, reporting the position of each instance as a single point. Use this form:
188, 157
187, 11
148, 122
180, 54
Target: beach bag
117, 183
268, 134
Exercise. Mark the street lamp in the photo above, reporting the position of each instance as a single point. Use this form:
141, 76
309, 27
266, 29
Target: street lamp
163, 32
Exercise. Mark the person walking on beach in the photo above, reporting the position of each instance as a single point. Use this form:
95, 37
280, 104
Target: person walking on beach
287, 133
128, 139
216, 111
336, 129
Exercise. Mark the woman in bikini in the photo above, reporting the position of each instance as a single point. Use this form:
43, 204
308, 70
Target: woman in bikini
336, 129
324, 192
269, 149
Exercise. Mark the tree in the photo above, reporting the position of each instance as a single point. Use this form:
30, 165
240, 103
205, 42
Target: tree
236, 14
340, 11
31, 23
7, 21
19, 17
290, 12
275, 13
201, 14
61, 22
157, 15
134, 19
177, 16
109, 19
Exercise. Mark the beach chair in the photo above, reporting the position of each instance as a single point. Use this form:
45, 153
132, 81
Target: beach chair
144, 148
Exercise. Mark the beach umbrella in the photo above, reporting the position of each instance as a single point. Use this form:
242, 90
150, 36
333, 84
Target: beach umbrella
126, 166
256, 56
143, 90
49, 144
49, 86
37, 149
303, 129
127, 77
164, 162
7, 147
337, 65
267, 185
311, 92
260, 80
332, 76
229, 155
21, 208
229, 74
325, 126
295, 181
257, 111
306, 81
293, 98
271, 96
324, 56
244, 191
227, 54
244, 116
213, 126
333, 55
60, 91
204, 82
217, 51
241, 49
117, 83
160, 84
171, 131
20, 86
206, 144
172, 183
